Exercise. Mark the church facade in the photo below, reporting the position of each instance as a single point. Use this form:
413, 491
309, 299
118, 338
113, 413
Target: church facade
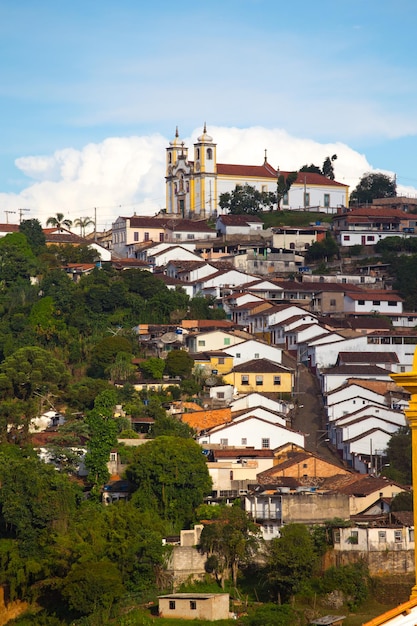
193, 187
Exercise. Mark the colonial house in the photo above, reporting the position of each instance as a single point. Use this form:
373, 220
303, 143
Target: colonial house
335, 377
214, 340
373, 301
227, 225
367, 226
251, 432
255, 399
254, 349
298, 239
261, 375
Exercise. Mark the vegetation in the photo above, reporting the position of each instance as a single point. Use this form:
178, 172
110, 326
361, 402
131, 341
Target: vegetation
246, 200
371, 186
327, 170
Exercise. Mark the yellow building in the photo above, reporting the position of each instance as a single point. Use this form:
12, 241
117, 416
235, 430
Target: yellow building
193, 187
261, 375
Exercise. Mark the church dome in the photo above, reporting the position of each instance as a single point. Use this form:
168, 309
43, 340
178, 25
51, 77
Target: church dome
205, 137
176, 141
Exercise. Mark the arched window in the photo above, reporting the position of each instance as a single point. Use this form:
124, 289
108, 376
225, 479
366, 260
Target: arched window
209, 154
170, 157
198, 153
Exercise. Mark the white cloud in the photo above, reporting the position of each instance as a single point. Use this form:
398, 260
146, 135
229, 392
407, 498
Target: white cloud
122, 175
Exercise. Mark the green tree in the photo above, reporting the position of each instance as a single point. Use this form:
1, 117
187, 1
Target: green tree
229, 542
59, 221
272, 615
103, 437
326, 249
328, 170
83, 223
30, 371
313, 169
153, 368
371, 186
246, 200
402, 501
32, 229
170, 476
291, 560
179, 363
17, 261
399, 453
284, 184
92, 587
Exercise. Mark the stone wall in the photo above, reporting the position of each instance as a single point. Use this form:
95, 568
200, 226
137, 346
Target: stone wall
379, 562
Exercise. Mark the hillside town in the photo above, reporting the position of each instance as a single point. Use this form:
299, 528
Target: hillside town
296, 364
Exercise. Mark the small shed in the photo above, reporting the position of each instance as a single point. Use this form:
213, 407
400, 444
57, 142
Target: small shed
328, 620
208, 606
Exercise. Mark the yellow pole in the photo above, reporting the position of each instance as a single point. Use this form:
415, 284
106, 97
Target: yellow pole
408, 380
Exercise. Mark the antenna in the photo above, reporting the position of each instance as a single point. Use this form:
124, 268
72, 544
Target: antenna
21, 211
7, 215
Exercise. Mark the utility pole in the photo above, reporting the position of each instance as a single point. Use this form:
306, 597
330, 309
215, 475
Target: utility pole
21, 211
7, 215
95, 223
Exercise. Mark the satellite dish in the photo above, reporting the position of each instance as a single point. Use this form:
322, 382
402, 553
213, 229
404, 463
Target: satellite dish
169, 338
210, 381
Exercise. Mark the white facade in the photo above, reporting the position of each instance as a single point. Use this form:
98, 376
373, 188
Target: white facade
258, 433
212, 340
252, 349
373, 302
369, 539
265, 414
193, 274
349, 238
174, 253
332, 381
257, 399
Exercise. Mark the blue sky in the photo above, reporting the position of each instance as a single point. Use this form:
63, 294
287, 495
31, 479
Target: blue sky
92, 90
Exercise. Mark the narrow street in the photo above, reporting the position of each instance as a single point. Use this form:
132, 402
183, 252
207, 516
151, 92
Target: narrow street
309, 415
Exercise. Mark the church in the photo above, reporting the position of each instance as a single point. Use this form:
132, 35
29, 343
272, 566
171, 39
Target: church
193, 187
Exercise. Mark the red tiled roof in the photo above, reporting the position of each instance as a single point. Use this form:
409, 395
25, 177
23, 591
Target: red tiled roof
9, 228
367, 357
239, 220
267, 171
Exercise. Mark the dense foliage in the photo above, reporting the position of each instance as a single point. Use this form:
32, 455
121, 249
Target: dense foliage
371, 186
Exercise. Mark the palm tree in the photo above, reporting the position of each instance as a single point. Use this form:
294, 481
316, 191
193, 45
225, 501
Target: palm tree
59, 221
83, 223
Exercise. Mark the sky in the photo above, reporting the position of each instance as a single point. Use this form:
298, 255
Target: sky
91, 92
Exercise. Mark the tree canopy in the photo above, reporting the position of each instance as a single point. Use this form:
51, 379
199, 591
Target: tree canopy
170, 476
371, 186
246, 199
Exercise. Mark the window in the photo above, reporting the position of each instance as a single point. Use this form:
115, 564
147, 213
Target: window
370, 238
244, 380
238, 355
221, 360
346, 237
326, 200
354, 537
146, 237
361, 302
304, 465
336, 536
332, 302
177, 235
190, 236
376, 302
285, 199
259, 380
382, 536
256, 355
161, 237
220, 395
277, 380
224, 442
265, 443
193, 605
201, 342
198, 153
209, 154
172, 605
391, 303
135, 236
398, 536
113, 456
411, 534
244, 441
306, 199
227, 341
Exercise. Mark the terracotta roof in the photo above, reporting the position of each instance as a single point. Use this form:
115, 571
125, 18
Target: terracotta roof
377, 322
9, 228
260, 365
65, 237
267, 171
137, 221
360, 370
239, 220
374, 295
375, 214
240, 453
367, 357
125, 263
189, 225
366, 485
